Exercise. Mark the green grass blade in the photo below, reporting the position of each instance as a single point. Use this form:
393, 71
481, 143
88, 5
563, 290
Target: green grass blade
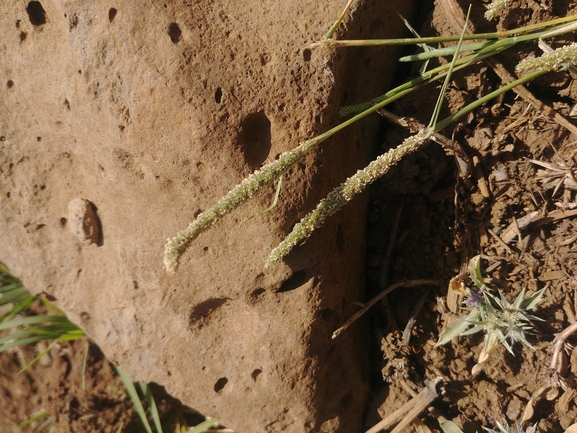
18, 308
13, 293
133, 394
84, 361
273, 204
204, 426
466, 110
22, 342
31, 320
33, 418
40, 355
145, 390
439, 103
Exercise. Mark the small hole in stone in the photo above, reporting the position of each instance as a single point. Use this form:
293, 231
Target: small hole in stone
255, 138
257, 292
346, 401
8, 194
327, 313
307, 55
175, 33
205, 249
63, 221
220, 384
67, 103
218, 95
36, 13
38, 138
112, 14
255, 373
340, 239
10, 84
23, 36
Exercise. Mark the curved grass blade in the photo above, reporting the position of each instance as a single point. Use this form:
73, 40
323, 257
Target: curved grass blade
134, 397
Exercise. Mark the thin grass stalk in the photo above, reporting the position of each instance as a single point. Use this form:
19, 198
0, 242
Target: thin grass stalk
496, 43
465, 110
440, 39
134, 397
414, 84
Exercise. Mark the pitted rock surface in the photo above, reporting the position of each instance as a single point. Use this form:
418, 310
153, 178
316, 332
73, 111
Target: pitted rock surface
150, 111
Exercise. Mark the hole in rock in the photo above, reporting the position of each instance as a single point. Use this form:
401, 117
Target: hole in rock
175, 33
346, 400
10, 84
255, 138
220, 384
327, 313
112, 14
218, 95
36, 13
205, 309
296, 280
257, 292
63, 221
307, 55
23, 36
340, 239
255, 374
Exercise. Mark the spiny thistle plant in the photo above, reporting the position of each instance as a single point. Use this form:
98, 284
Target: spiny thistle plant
501, 321
515, 428
491, 43
451, 427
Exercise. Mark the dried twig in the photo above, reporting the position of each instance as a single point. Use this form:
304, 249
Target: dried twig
449, 146
412, 409
411, 283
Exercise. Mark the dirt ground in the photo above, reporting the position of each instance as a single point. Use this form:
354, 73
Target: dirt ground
425, 221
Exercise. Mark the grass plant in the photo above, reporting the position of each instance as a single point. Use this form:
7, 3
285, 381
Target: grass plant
23, 329
488, 44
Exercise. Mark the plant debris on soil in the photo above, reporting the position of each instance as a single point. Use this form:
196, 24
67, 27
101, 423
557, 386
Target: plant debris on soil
517, 210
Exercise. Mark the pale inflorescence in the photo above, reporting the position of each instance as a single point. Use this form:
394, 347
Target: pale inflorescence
353, 186
552, 61
495, 8
176, 245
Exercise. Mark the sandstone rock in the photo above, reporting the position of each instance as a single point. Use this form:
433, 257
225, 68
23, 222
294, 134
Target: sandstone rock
152, 111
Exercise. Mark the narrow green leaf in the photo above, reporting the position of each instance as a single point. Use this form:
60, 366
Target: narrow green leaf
30, 320
204, 426
145, 390
533, 300
131, 391
453, 330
